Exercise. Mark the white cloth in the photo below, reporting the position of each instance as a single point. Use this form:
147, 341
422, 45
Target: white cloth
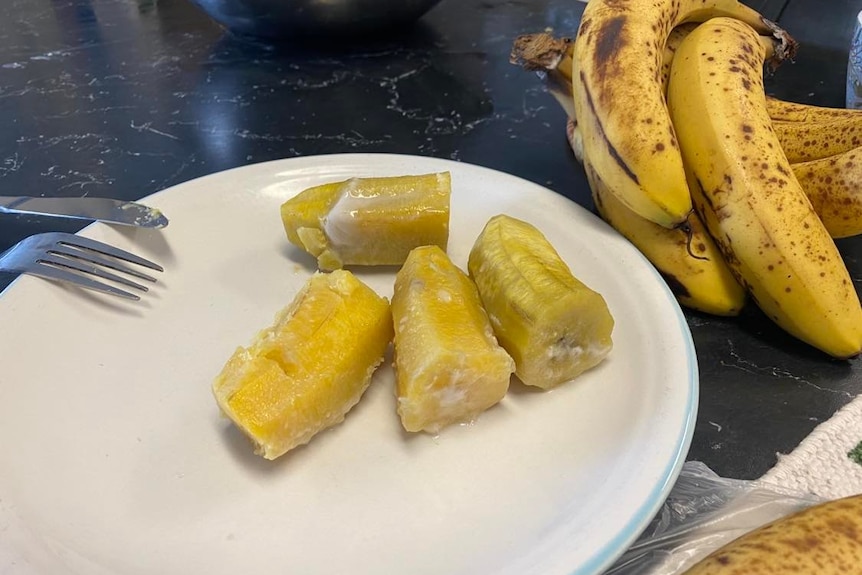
824, 463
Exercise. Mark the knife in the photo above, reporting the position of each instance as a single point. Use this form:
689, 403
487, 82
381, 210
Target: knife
101, 209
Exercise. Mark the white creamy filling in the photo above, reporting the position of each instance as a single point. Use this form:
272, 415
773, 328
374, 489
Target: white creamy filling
339, 225
565, 350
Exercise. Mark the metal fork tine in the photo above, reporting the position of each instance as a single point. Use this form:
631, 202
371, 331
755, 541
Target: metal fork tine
77, 260
60, 274
95, 258
96, 246
91, 269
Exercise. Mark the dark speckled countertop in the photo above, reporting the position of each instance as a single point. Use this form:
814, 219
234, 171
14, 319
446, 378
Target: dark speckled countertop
123, 98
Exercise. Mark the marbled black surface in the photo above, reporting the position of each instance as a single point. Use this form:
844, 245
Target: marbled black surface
123, 98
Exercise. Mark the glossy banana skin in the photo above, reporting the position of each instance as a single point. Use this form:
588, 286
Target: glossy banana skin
806, 141
834, 186
793, 112
822, 539
745, 190
689, 261
619, 100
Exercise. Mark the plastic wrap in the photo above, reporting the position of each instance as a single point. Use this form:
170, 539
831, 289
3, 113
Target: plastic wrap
702, 513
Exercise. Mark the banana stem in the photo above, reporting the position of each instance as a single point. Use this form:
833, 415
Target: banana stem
785, 47
544, 53
541, 52
772, 48
553, 58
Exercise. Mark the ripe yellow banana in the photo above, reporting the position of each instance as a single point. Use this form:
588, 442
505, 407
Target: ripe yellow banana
690, 263
552, 56
805, 141
793, 112
823, 539
620, 104
674, 39
834, 186
745, 190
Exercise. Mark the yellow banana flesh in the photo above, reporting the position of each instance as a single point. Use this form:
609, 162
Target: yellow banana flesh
744, 189
806, 141
689, 261
823, 539
552, 325
620, 105
449, 367
305, 372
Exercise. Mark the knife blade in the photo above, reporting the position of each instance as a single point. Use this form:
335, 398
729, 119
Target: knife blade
101, 209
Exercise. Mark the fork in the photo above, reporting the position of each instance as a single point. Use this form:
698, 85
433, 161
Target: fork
71, 259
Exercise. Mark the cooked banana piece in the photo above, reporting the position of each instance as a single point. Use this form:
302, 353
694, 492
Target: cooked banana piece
305, 372
369, 221
449, 367
552, 325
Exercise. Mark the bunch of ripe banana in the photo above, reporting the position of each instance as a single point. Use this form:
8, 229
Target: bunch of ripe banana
731, 194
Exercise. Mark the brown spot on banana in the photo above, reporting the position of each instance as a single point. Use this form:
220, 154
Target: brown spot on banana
610, 39
834, 191
844, 527
724, 559
803, 141
795, 112
611, 149
600, 204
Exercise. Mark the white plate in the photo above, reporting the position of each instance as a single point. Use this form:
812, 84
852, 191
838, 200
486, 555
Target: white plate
114, 459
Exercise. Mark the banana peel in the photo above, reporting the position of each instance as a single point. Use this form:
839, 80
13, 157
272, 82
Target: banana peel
825, 539
688, 260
